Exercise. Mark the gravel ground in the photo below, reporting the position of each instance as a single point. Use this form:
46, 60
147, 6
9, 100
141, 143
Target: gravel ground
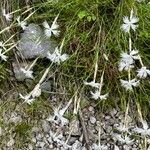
56, 132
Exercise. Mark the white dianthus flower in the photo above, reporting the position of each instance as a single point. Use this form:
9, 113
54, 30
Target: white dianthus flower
143, 72
128, 85
130, 23
53, 29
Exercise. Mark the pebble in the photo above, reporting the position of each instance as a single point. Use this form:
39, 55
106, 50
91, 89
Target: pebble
11, 142
30, 147
107, 117
45, 126
91, 108
92, 120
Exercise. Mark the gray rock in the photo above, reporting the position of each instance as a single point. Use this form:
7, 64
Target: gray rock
34, 43
92, 120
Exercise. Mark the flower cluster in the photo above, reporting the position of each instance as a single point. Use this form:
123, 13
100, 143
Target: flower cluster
127, 60
98, 86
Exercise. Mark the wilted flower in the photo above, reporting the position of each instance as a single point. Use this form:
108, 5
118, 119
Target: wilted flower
129, 23
128, 85
143, 131
57, 57
58, 115
27, 73
3, 57
2, 44
143, 72
29, 98
22, 24
92, 84
97, 95
123, 139
99, 147
121, 127
51, 30
7, 16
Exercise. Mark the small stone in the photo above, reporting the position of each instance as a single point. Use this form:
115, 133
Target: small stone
39, 136
15, 119
107, 117
30, 147
77, 145
74, 126
93, 120
113, 112
11, 142
45, 126
41, 144
72, 140
51, 146
91, 108
49, 140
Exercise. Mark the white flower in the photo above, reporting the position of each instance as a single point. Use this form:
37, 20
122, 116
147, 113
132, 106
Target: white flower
3, 57
56, 57
99, 147
28, 73
123, 140
51, 30
58, 115
58, 118
92, 84
143, 131
129, 23
124, 65
7, 16
2, 44
121, 127
22, 24
143, 72
128, 85
127, 60
58, 137
97, 95
29, 98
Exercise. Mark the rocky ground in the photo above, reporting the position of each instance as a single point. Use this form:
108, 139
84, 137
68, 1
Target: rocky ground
89, 129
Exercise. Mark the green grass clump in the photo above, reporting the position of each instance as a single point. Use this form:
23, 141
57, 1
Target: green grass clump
88, 28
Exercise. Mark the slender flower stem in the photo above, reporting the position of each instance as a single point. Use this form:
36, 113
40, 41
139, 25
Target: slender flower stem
126, 114
31, 66
10, 48
29, 16
62, 44
130, 49
140, 59
44, 75
101, 83
130, 43
95, 72
99, 136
